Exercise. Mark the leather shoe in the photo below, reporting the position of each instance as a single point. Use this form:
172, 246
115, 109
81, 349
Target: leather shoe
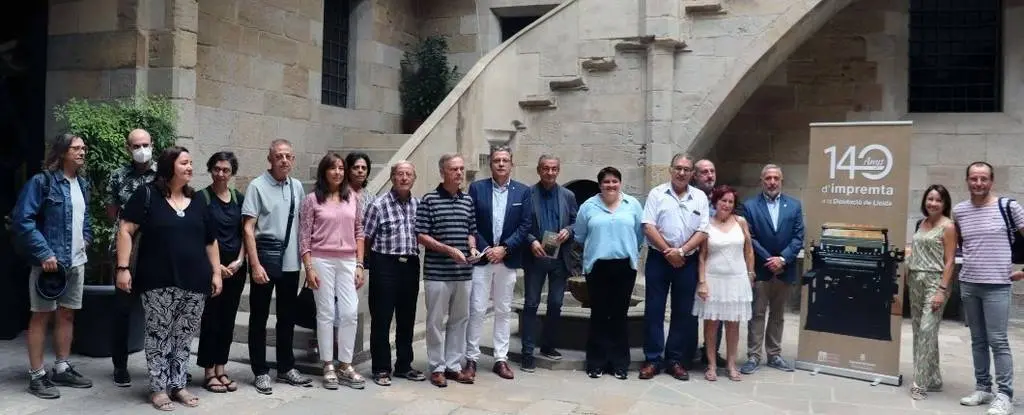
648, 370
678, 371
470, 370
502, 369
459, 377
437, 379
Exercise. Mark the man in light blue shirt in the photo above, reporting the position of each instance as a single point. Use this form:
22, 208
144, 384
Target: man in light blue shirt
675, 222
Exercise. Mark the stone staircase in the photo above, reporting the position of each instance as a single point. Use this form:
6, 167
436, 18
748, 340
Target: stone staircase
304, 338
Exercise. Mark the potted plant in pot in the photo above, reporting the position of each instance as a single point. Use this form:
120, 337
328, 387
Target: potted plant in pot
427, 78
104, 126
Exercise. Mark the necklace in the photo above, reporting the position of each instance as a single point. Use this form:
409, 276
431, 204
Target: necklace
178, 211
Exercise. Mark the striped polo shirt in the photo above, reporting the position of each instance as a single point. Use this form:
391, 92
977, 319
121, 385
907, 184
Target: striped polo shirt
986, 244
449, 219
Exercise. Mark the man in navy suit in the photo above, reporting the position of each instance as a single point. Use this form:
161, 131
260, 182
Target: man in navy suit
502, 208
777, 232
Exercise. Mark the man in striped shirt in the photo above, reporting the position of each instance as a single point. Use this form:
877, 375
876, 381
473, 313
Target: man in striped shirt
986, 285
390, 229
445, 225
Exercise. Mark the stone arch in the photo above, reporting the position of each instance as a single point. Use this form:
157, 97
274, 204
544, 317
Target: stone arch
583, 189
776, 44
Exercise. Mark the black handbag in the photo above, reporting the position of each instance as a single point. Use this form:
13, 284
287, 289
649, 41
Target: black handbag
305, 309
270, 251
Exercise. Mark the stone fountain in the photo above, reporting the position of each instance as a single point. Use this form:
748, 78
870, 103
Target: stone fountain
574, 324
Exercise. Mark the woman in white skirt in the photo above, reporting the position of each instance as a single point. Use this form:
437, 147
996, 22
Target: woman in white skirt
726, 276
331, 246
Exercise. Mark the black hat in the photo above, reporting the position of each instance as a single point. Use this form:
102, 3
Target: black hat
51, 285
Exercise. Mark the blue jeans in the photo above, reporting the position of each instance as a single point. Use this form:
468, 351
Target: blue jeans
682, 333
535, 273
988, 310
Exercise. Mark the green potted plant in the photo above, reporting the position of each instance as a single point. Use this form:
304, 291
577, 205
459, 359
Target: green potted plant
104, 126
427, 78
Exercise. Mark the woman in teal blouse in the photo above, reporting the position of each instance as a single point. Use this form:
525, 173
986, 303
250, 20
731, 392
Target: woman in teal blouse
609, 227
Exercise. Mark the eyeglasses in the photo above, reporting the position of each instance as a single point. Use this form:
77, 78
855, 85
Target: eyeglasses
138, 146
683, 169
226, 170
283, 156
81, 148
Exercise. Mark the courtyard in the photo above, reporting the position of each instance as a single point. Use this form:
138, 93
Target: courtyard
544, 392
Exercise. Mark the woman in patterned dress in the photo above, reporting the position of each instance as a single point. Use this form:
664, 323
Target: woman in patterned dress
932, 253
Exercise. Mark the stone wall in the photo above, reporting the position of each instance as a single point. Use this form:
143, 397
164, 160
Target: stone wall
854, 69
259, 77
116, 49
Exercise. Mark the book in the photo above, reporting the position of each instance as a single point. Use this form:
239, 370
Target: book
550, 244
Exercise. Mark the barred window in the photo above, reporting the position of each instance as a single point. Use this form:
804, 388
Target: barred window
956, 62
334, 86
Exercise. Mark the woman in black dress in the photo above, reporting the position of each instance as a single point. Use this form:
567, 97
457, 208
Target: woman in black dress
177, 266
218, 326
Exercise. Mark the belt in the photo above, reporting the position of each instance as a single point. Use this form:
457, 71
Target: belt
399, 258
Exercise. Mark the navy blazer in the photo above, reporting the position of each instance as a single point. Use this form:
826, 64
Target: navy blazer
786, 241
517, 219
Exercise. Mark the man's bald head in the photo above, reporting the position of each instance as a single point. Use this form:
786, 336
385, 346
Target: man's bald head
138, 134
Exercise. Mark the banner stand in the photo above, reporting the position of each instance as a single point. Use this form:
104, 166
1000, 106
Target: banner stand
851, 319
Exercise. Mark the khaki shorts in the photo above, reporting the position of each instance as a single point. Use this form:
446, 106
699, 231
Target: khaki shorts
72, 298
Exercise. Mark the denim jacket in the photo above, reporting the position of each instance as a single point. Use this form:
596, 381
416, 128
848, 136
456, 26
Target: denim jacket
51, 237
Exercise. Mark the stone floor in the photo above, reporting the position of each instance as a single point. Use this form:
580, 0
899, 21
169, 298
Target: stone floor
545, 392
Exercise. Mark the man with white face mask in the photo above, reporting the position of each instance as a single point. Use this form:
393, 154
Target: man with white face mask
121, 185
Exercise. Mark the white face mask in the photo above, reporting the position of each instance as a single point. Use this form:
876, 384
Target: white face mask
142, 155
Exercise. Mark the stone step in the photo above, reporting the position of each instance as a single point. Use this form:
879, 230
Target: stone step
703, 6
568, 84
301, 339
598, 64
537, 102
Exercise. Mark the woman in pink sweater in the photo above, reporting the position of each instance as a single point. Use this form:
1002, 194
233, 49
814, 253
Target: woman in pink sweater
331, 246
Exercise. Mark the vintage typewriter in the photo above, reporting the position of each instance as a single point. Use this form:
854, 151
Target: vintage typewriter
852, 282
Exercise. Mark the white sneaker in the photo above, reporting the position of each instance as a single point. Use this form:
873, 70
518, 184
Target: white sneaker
1002, 405
977, 398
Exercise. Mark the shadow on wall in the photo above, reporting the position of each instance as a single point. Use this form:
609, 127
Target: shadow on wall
583, 189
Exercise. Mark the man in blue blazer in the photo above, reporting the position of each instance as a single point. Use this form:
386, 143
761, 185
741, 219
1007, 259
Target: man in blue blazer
502, 207
553, 210
777, 232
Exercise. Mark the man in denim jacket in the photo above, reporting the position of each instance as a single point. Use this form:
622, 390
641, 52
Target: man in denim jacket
52, 226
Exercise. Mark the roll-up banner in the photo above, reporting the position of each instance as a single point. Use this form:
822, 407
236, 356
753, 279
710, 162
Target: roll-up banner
851, 304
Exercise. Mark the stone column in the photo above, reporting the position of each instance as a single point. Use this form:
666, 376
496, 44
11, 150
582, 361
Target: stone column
171, 28
661, 25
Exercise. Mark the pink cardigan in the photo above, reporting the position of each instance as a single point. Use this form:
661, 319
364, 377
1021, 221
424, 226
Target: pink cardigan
330, 230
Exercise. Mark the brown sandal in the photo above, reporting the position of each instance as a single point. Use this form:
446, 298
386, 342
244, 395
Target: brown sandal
227, 382
162, 402
734, 375
218, 387
711, 374
185, 398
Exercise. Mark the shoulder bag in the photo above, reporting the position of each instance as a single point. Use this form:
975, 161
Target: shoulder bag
270, 250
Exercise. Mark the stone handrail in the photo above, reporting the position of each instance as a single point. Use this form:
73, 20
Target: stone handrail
419, 139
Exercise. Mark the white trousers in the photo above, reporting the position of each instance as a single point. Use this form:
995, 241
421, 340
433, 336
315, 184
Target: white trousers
446, 340
336, 297
491, 282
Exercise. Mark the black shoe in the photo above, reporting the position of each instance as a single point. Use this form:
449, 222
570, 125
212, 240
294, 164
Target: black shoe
71, 378
122, 378
594, 373
551, 354
43, 388
528, 365
621, 374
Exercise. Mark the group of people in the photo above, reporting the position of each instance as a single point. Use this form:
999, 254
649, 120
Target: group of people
187, 253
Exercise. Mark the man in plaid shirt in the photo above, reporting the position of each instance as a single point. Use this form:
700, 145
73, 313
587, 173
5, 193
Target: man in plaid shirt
394, 260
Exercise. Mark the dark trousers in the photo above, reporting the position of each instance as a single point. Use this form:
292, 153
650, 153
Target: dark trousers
662, 279
394, 289
124, 303
218, 326
610, 286
536, 272
259, 297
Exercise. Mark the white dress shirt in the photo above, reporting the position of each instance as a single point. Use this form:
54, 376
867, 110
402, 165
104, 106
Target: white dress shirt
677, 218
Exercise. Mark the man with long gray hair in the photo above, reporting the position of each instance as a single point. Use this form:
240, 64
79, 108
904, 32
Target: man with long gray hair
51, 225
